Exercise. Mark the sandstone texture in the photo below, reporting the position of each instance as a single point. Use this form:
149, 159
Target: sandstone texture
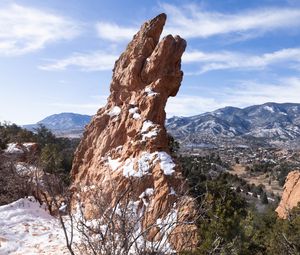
291, 194
125, 147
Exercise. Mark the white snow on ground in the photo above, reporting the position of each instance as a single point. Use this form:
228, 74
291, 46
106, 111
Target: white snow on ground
26, 228
150, 92
166, 224
24, 168
166, 162
28, 145
115, 111
13, 148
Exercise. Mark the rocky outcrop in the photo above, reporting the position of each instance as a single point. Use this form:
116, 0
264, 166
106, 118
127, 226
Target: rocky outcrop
291, 194
125, 147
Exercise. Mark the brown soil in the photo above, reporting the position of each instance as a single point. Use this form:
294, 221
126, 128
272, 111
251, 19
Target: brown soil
241, 172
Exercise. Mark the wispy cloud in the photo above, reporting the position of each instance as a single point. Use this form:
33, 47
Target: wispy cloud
114, 32
244, 94
253, 92
187, 105
76, 106
192, 21
91, 107
235, 60
25, 29
94, 61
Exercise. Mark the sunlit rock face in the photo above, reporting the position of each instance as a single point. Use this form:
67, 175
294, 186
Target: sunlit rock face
291, 194
125, 147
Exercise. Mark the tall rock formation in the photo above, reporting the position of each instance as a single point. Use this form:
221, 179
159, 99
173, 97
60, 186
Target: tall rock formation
126, 145
291, 194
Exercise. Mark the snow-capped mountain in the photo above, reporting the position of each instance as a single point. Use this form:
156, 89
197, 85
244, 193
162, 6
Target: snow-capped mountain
268, 124
265, 124
64, 124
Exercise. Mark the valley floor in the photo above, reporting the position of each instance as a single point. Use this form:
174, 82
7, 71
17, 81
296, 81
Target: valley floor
241, 172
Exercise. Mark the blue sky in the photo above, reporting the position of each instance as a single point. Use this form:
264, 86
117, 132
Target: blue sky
57, 56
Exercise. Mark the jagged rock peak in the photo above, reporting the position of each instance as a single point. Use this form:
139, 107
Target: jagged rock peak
291, 194
125, 147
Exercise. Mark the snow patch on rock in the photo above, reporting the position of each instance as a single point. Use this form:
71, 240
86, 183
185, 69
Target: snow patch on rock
143, 165
113, 163
115, 111
149, 130
166, 163
150, 92
134, 112
148, 192
147, 124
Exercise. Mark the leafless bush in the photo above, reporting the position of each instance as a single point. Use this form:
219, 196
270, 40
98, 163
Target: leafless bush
120, 227
13, 186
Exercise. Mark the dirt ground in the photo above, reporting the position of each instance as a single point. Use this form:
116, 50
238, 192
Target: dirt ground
241, 172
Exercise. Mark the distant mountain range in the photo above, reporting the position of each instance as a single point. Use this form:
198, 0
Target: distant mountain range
64, 124
264, 125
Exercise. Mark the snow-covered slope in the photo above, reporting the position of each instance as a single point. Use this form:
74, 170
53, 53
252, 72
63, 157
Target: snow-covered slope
26, 228
270, 122
64, 124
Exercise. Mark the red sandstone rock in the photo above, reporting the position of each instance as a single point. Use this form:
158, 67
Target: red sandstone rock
291, 194
126, 143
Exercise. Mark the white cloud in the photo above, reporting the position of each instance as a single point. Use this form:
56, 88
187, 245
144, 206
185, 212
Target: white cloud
94, 61
83, 108
190, 21
234, 60
187, 105
76, 106
193, 21
114, 32
245, 94
252, 92
25, 29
